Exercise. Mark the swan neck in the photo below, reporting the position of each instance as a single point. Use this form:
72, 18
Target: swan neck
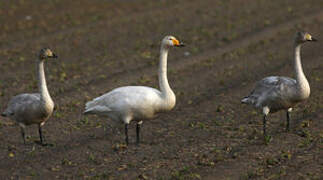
44, 94
163, 81
166, 91
301, 81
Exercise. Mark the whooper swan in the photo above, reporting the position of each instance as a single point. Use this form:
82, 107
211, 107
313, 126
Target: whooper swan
36, 108
275, 93
138, 102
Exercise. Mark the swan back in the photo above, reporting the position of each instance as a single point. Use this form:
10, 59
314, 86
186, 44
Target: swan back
276, 92
27, 109
139, 102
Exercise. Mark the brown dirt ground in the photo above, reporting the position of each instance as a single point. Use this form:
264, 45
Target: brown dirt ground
209, 134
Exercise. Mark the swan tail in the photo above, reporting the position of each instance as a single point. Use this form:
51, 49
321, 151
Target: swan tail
96, 110
89, 108
246, 100
86, 112
89, 104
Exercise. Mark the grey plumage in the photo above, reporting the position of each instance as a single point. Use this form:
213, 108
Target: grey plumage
275, 93
25, 109
36, 108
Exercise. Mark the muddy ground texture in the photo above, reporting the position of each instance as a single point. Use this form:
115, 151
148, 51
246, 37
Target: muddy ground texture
208, 135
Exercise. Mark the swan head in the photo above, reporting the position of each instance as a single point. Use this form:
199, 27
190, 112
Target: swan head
302, 37
171, 41
46, 53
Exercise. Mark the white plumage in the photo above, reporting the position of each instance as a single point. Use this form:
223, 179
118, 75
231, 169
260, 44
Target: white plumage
128, 103
137, 102
275, 93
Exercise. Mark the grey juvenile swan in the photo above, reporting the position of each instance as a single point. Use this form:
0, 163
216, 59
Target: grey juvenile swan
275, 93
138, 102
36, 108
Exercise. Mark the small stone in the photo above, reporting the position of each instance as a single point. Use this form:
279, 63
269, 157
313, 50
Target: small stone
28, 18
11, 155
186, 53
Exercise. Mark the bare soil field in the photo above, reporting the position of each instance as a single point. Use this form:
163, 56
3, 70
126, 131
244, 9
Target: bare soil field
208, 135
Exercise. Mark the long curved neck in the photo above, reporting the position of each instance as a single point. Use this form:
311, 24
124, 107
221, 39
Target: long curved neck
301, 81
42, 86
167, 93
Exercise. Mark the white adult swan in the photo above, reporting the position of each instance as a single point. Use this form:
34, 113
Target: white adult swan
275, 93
36, 108
138, 102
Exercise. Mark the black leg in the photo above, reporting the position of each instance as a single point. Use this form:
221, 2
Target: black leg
23, 134
40, 134
287, 122
126, 132
264, 125
138, 133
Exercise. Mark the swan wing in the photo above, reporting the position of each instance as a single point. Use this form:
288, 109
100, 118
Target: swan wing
125, 99
272, 88
23, 104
